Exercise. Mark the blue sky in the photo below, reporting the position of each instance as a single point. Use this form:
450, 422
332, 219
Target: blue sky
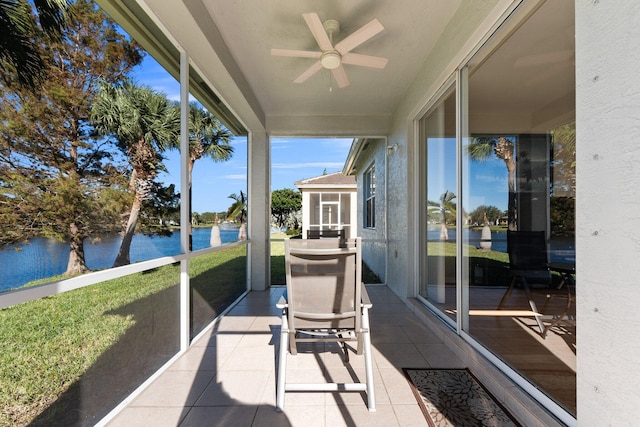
485, 182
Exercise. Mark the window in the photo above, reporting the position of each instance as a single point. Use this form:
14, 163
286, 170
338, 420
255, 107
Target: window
370, 198
330, 211
438, 151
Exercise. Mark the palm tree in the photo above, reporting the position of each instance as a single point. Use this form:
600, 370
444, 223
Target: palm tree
17, 24
481, 148
564, 157
145, 124
207, 138
444, 206
238, 212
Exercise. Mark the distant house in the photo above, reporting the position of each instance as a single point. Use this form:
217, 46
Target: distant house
329, 203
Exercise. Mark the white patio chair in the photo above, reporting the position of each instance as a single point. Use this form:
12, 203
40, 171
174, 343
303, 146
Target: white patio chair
325, 301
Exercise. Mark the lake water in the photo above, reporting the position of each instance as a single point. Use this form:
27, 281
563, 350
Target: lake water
20, 264
560, 249
43, 258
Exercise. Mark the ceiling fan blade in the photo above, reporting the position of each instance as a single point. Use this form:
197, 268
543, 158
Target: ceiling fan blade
364, 60
318, 31
340, 76
317, 66
359, 36
296, 53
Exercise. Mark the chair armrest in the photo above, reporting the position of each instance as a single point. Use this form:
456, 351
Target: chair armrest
282, 303
364, 296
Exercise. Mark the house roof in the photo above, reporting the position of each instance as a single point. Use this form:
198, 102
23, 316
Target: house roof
332, 180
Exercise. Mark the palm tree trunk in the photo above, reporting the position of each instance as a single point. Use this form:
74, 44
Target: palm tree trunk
123, 257
512, 213
242, 231
76, 264
190, 168
444, 232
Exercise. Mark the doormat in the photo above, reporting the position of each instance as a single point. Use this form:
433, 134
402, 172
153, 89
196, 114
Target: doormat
455, 398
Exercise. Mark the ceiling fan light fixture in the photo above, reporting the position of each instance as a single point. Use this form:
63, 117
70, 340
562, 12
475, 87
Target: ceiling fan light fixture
330, 59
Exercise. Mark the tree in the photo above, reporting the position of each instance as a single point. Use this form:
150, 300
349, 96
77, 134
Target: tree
207, 138
492, 212
481, 148
238, 212
144, 124
445, 208
208, 217
20, 55
159, 211
58, 180
284, 203
563, 139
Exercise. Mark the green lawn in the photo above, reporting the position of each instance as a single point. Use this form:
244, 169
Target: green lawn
54, 349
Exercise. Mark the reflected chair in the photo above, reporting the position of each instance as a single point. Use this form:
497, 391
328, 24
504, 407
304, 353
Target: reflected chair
325, 301
528, 265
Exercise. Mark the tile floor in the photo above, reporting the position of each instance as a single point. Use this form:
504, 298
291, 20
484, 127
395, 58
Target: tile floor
228, 377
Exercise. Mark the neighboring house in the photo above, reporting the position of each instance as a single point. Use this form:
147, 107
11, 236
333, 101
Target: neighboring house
329, 203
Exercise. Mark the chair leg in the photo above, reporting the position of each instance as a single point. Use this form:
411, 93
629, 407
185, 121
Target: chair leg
560, 317
346, 352
507, 294
371, 398
282, 364
293, 347
532, 303
533, 306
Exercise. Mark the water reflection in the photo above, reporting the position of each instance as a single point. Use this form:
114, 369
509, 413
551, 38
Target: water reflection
43, 257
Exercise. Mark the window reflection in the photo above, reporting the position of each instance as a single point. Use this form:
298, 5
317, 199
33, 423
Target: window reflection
517, 172
519, 157
439, 258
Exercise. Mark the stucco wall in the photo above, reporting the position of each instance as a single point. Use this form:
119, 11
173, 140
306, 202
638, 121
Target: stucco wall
607, 206
373, 239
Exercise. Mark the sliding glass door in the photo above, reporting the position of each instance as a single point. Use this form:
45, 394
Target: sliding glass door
501, 161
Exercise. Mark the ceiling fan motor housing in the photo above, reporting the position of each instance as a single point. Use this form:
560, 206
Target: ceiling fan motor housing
332, 27
330, 59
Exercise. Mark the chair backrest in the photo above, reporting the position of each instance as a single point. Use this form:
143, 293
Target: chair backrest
528, 252
323, 283
323, 234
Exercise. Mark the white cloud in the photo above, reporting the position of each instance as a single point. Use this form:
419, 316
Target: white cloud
490, 178
307, 165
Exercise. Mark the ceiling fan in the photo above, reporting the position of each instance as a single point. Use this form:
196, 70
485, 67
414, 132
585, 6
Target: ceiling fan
333, 57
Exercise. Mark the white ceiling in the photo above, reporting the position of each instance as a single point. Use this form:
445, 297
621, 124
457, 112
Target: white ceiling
250, 28
230, 42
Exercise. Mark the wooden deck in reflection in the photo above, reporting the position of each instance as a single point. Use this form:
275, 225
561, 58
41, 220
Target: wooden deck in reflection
513, 335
